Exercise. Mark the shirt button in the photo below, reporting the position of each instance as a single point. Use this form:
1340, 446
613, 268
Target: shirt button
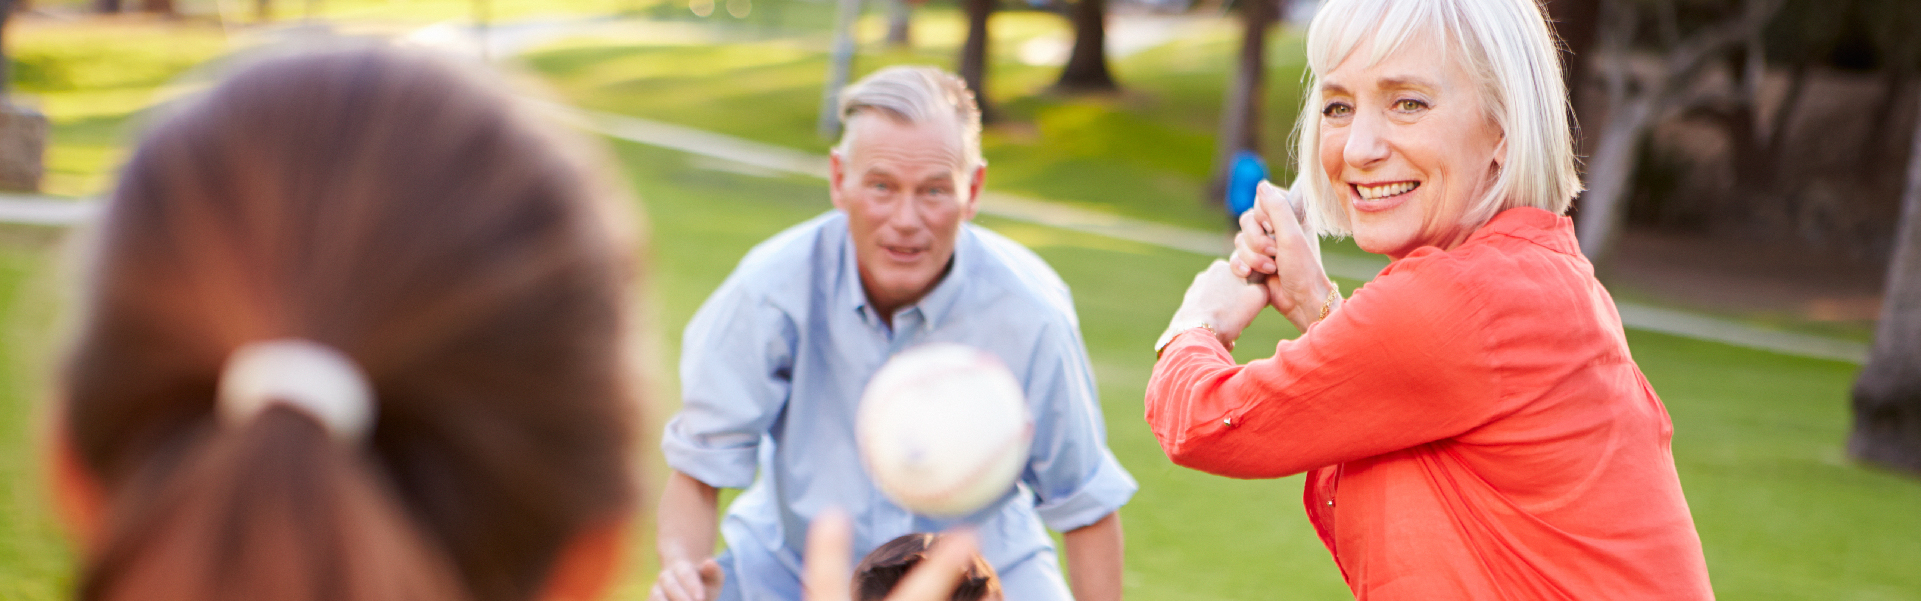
1330, 502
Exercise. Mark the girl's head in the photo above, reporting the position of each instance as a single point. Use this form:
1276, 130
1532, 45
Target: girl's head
404, 213
884, 568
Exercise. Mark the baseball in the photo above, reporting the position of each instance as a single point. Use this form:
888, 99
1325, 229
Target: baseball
943, 429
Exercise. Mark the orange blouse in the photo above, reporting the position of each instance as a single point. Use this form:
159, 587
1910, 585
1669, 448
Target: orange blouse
1474, 426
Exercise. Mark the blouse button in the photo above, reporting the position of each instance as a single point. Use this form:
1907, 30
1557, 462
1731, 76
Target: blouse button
1330, 502
1227, 421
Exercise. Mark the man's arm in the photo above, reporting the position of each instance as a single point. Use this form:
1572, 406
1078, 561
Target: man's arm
689, 509
1094, 554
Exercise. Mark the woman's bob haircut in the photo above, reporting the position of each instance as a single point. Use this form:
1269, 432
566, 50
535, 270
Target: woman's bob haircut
1506, 45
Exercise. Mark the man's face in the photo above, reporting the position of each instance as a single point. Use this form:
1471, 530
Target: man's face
906, 189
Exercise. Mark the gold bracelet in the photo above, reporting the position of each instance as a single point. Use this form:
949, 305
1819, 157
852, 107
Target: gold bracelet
1169, 336
1327, 304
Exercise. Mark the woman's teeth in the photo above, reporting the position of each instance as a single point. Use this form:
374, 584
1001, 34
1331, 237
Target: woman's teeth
1386, 190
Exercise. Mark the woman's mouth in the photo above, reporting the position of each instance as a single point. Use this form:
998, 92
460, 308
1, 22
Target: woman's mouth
1384, 191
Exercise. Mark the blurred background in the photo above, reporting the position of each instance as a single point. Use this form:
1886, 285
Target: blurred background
1748, 162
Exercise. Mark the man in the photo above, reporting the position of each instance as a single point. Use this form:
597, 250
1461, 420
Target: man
774, 363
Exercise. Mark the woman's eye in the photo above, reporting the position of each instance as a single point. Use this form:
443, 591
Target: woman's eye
1336, 110
1409, 105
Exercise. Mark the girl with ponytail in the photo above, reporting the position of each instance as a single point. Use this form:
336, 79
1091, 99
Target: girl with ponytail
355, 330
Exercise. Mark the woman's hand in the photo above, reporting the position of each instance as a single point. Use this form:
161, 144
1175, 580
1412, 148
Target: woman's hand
1220, 300
828, 577
1274, 243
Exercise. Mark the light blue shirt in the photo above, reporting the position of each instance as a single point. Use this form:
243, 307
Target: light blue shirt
772, 369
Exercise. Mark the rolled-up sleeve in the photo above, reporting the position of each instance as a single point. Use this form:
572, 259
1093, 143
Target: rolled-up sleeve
1071, 470
736, 370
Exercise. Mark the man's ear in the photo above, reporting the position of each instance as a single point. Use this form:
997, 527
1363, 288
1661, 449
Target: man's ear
977, 181
78, 498
587, 564
836, 173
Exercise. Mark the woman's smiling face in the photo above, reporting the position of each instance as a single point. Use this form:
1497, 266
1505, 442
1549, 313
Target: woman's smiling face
1408, 145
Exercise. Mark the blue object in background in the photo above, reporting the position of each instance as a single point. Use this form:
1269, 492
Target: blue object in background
1243, 177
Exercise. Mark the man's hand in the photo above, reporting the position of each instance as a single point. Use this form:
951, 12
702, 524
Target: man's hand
828, 577
1273, 242
683, 580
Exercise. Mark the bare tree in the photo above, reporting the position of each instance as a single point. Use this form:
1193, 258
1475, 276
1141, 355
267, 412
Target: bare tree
1887, 396
973, 56
1638, 101
1241, 117
1576, 22
900, 23
1086, 69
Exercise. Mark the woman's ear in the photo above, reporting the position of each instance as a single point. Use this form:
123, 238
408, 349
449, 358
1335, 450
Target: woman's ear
78, 498
587, 564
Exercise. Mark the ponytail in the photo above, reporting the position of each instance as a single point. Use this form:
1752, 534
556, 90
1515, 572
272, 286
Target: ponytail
273, 510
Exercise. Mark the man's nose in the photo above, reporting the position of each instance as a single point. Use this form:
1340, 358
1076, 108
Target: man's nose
905, 215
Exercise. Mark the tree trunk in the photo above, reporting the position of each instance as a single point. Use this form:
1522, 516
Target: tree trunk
900, 23
1577, 22
1887, 396
1086, 69
262, 10
162, 7
1611, 177
1241, 117
973, 57
106, 6
6, 59
839, 67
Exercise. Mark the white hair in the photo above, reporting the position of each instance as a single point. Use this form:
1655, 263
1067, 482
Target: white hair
914, 94
1513, 58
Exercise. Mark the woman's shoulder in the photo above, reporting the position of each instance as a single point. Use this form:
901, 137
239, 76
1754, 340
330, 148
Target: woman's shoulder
1524, 260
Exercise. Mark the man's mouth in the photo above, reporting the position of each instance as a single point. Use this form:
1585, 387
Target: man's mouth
903, 253
1380, 191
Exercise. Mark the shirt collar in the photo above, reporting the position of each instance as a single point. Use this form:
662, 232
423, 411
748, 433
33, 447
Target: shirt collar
1551, 231
934, 306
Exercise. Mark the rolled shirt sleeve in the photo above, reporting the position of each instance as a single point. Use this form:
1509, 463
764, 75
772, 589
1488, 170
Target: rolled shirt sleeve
1070, 469
737, 358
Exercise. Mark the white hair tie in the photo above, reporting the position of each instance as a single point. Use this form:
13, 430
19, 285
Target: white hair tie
307, 375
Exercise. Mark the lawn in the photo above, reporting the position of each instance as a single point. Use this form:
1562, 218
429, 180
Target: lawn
1781, 513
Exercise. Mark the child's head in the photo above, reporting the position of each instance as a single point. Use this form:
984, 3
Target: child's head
882, 569
401, 213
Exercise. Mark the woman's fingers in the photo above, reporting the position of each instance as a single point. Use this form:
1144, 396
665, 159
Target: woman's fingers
1253, 249
935, 578
830, 542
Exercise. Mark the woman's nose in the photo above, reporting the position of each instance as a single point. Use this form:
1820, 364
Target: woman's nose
1366, 144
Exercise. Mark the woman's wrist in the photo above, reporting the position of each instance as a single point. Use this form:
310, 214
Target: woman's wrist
1183, 323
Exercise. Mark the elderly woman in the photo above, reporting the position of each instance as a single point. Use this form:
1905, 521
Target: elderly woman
1472, 423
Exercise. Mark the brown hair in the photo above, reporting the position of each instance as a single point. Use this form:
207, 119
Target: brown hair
399, 209
883, 569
